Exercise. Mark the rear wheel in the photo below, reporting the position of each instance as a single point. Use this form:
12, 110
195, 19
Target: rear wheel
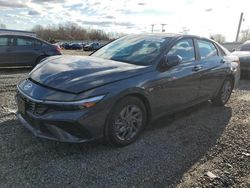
40, 58
224, 93
127, 120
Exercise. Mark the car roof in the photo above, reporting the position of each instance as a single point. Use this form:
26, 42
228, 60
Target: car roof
172, 35
17, 35
20, 35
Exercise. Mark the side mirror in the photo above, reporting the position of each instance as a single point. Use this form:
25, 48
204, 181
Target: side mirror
171, 61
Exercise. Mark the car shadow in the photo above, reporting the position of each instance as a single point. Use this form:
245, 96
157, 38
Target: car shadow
167, 120
244, 84
15, 69
159, 158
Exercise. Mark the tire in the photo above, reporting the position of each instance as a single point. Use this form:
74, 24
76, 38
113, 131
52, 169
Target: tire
224, 94
126, 121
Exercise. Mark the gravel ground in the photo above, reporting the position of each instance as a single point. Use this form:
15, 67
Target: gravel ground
75, 52
203, 146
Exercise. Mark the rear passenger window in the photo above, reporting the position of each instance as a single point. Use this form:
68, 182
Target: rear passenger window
3, 41
24, 42
206, 49
185, 49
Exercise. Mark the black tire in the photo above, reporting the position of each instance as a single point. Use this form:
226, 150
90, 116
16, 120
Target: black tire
117, 126
224, 94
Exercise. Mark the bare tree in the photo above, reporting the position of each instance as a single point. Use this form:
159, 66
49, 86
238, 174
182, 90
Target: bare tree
2, 26
245, 35
68, 31
218, 38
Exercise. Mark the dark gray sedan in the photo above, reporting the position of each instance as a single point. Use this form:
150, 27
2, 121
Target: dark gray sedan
244, 55
122, 87
19, 50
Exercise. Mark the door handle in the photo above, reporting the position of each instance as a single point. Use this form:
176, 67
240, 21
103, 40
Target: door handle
197, 68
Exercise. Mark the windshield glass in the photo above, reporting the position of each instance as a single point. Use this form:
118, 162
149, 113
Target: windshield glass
141, 50
245, 47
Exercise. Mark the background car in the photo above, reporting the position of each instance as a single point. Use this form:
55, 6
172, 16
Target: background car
244, 55
92, 46
65, 46
115, 92
76, 46
19, 50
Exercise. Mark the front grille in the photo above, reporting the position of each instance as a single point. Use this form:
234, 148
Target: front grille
36, 108
33, 107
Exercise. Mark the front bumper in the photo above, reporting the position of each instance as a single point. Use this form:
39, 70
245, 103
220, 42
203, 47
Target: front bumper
58, 131
74, 126
52, 132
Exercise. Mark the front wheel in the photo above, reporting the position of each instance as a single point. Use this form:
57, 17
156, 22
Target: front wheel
224, 93
127, 120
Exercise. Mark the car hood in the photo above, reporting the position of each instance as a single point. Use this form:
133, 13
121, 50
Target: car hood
75, 74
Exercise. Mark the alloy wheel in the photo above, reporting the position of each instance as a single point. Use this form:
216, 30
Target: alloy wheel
128, 123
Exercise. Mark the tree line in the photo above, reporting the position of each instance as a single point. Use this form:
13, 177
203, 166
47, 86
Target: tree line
244, 36
72, 31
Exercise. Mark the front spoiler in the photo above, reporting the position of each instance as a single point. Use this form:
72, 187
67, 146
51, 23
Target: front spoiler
58, 134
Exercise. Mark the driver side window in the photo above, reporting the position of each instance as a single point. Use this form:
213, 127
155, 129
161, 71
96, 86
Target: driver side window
183, 48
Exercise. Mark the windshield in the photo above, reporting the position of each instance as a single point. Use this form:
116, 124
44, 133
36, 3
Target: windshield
141, 50
245, 47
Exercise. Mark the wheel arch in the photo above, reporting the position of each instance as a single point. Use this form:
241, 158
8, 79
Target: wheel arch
141, 95
230, 76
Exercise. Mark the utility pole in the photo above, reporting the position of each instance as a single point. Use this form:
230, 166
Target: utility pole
239, 26
162, 27
152, 25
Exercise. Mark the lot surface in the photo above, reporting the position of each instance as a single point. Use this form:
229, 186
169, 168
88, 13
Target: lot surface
203, 146
75, 52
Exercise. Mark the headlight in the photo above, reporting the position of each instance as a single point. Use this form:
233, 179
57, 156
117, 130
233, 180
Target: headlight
84, 103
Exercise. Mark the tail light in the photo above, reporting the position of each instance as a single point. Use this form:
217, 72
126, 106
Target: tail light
58, 49
236, 60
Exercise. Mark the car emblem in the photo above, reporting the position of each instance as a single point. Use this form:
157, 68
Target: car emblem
27, 86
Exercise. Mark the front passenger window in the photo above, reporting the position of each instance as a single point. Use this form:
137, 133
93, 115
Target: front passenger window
185, 49
6, 41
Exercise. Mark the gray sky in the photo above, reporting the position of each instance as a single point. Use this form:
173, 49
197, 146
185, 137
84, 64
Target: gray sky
198, 17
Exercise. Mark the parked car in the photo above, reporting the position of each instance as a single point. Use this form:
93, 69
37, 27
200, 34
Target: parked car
76, 46
65, 46
92, 46
243, 52
119, 89
19, 50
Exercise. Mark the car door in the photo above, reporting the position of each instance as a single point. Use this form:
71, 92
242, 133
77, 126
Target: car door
7, 56
211, 71
178, 86
26, 51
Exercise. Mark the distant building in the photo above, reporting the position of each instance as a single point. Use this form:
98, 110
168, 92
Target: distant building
9, 31
231, 46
